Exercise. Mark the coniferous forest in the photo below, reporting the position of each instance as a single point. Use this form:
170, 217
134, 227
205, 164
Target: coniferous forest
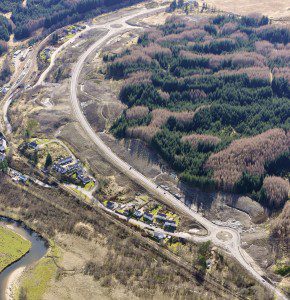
213, 98
47, 14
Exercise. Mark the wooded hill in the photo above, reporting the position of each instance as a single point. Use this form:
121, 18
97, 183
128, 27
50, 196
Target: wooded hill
213, 98
48, 14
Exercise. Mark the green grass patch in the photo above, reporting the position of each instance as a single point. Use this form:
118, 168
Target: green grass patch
36, 281
174, 247
80, 193
69, 36
155, 210
39, 141
89, 186
282, 267
173, 216
12, 247
145, 198
283, 271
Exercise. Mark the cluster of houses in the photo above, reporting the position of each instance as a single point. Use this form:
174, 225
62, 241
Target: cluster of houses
74, 29
21, 53
68, 167
168, 225
71, 30
3, 146
160, 218
33, 145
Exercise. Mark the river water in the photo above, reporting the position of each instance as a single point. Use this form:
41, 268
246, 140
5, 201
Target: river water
37, 251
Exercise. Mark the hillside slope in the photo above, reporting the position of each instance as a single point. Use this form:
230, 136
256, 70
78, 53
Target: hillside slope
213, 98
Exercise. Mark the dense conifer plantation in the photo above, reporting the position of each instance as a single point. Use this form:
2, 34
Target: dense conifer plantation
213, 98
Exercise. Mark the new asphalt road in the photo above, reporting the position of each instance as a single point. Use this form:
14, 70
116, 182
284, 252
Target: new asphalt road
226, 238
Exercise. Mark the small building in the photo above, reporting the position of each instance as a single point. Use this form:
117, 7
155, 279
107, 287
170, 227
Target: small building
74, 168
170, 226
3, 144
59, 169
137, 214
44, 171
208, 263
5, 89
86, 180
126, 212
111, 205
82, 177
65, 161
2, 147
80, 172
159, 236
148, 217
161, 217
46, 50
33, 145
23, 178
16, 53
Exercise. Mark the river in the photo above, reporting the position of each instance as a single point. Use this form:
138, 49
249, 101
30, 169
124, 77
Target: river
37, 251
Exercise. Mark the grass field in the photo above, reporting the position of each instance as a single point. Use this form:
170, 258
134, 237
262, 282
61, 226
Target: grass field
12, 247
36, 281
273, 8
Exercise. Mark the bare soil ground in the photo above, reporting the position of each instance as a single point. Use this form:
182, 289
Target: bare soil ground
276, 9
62, 67
31, 106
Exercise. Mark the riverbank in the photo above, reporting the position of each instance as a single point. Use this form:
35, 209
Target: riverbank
36, 280
12, 247
12, 283
12, 277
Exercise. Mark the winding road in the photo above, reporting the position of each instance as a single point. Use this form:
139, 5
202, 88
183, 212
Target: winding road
226, 238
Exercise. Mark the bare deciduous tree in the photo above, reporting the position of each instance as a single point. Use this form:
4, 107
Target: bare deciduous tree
194, 139
137, 112
247, 154
276, 190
